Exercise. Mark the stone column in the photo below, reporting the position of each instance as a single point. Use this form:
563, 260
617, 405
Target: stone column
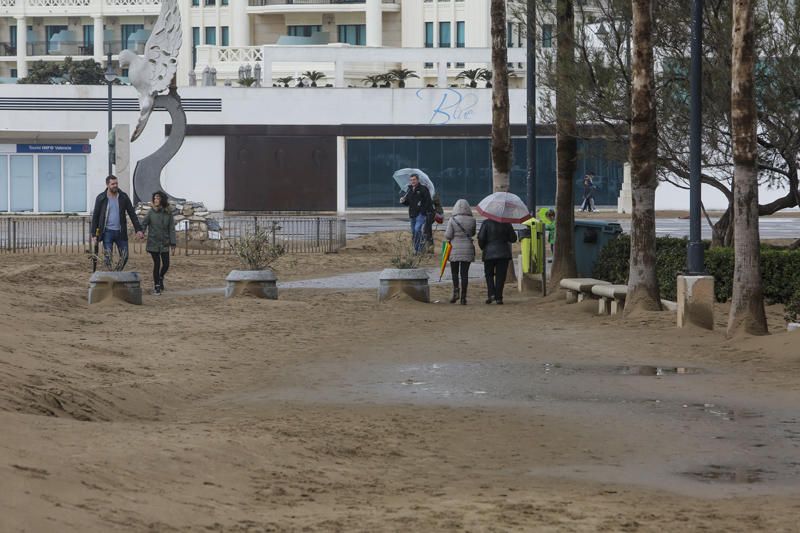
625, 200
99, 39
339, 74
241, 24
22, 47
374, 23
696, 301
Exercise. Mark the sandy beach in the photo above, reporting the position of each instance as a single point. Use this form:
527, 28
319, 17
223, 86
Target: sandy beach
326, 411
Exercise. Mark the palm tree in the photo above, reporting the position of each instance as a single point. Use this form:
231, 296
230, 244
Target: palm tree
285, 81
747, 305
314, 76
566, 144
401, 75
501, 128
643, 293
473, 75
373, 80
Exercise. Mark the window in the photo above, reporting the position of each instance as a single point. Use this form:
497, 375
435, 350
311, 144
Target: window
429, 35
444, 35
88, 35
21, 178
3, 183
50, 32
302, 31
14, 73
12, 36
547, 36
74, 183
127, 31
49, 183
195, 3
195, 44
355, 34
460, 29
510, 34
211, 2
226, 36
224, 2
211, 35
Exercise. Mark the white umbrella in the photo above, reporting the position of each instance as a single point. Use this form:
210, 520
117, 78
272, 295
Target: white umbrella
402, 176
504, 207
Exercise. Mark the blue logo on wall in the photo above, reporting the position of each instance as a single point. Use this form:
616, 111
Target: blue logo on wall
54, 148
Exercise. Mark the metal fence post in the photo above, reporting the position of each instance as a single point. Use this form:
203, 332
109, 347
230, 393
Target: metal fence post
14, 236
186, 241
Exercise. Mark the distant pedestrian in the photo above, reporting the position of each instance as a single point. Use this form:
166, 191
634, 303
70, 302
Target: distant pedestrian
495, 239
460, 231
418, 199
437, 216
160, 225
588, 193
548, 219
109, 222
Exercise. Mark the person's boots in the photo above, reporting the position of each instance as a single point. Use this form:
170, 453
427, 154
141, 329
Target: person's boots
464, 295
454, 299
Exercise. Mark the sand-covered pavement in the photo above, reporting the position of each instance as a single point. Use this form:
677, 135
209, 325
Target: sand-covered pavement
326, 411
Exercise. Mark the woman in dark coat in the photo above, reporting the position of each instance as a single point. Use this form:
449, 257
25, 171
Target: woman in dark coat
460, 231
160, 226
495, 240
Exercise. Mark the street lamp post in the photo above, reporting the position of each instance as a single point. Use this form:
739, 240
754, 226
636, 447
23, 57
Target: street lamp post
110, 76
531, 95
695, 253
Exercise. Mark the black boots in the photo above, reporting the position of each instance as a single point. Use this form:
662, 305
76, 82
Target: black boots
454, 299
464, 296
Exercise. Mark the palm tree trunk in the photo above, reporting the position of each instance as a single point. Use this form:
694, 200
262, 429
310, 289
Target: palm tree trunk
643, 291
747, 313
501, 129
566, 145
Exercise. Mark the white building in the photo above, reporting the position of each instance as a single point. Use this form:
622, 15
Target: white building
226, 34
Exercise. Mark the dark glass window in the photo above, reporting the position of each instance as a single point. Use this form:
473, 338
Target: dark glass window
355, 34
302, 31
211, 35
226, 36
429, 35
444, 35
462, 168
547, 36
460, 28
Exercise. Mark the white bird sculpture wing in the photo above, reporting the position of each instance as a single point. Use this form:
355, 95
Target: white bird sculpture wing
154, 73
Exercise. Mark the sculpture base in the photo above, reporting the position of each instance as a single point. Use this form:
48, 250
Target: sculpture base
257, 283
412, 283
110, 287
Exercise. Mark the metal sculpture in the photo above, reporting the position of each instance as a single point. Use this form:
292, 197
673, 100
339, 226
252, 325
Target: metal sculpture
151, 75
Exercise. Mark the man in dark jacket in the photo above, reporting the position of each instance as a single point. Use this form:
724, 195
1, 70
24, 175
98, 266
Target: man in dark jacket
495, 240
419, 203
109, 221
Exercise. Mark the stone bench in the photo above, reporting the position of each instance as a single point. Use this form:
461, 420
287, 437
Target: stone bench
578, 288
111, 287
611, 298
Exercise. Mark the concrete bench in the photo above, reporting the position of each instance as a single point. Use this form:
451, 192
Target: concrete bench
578, 288
611, 298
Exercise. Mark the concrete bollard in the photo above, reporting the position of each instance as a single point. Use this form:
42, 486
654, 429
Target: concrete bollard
696, 301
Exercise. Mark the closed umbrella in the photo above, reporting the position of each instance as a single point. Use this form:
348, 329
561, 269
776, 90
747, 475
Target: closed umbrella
402, 176
504, 207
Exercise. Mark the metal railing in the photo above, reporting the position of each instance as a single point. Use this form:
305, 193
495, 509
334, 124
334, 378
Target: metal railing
261, 3
70, 234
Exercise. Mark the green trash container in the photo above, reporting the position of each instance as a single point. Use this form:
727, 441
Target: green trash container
590, 237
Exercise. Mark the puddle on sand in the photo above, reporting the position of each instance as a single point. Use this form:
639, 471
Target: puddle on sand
626, 370
731, 474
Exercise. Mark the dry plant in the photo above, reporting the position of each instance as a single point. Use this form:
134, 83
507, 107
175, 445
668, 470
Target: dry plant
403, 254
258, 250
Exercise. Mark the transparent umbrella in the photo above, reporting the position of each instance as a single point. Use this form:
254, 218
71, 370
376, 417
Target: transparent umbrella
402, 176
504, 207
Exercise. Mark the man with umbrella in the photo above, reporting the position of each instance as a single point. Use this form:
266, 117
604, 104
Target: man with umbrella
418, 200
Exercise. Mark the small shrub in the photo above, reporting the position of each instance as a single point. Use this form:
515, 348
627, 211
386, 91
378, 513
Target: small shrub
403, 254
258, 250
793, 307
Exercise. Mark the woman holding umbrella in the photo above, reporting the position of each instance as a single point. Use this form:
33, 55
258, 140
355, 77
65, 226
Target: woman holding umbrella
496, 236
459, 232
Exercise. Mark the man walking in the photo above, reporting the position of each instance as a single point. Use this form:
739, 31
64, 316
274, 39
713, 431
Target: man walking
419, 203
109, 221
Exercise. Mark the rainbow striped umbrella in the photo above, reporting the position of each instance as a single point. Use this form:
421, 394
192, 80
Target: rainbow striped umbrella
446, 249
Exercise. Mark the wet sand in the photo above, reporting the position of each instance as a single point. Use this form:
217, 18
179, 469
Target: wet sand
326, 411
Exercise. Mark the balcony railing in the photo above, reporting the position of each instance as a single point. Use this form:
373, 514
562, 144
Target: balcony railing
8, 49
69, 48
59, 3
123, 3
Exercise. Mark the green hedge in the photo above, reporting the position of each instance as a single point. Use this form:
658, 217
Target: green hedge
780, 268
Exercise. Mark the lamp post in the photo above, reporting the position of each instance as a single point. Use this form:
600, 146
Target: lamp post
110, 76
695, 253
531, 95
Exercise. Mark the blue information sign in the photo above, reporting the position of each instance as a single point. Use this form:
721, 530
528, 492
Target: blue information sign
54, 148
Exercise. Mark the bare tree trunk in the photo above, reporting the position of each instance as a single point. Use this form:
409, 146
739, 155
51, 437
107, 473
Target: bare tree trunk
566, 144
643, 293
721, 231
747, 306
501, 129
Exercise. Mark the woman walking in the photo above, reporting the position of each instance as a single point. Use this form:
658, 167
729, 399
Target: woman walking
460, 231
495, 240
160, 227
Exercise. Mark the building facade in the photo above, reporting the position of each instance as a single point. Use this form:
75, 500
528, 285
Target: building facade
227, 34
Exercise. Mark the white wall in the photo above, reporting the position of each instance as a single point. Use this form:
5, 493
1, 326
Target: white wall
198, 171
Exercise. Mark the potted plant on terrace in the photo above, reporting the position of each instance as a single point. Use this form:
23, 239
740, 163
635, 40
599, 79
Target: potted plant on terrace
406, 278
473, 75
401, 75
257, 251
285, 81
373, 80
313, 76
